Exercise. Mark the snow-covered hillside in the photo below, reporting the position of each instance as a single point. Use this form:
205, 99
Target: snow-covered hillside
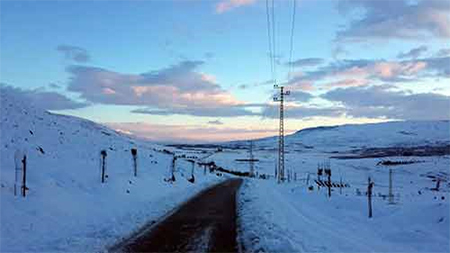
346, 137
67, 208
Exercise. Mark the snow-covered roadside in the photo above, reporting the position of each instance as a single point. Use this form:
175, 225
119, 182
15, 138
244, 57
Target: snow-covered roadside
87, 224
67, 208
289, 218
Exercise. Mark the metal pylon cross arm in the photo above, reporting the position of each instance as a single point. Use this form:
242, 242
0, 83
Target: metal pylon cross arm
280, 98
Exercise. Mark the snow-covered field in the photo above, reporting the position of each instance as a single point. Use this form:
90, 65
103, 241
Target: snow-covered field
67, 208
289, 217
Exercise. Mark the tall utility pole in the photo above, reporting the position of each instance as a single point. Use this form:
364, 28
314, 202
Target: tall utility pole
280, 98
252, 165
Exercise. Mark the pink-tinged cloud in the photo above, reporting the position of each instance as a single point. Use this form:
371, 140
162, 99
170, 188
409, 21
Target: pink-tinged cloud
382, 70
347, 83
393, 69
366, 72
227, 5
354, 71
177, 89
108, 91
196, 133
301, 86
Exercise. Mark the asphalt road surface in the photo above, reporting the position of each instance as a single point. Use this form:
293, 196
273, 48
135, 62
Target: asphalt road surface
206, 223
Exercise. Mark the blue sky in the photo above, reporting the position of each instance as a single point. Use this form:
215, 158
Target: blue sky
201, 69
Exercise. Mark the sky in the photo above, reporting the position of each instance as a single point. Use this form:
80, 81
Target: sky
204, 71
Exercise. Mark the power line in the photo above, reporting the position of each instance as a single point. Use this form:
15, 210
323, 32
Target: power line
292, 39
269, 38
274, 44
279, 171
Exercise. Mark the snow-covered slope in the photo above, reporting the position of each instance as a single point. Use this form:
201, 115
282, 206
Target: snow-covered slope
67, 208
290, 218
345, 137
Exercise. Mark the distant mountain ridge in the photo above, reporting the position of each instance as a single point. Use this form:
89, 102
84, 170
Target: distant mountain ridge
355, 136
313, 129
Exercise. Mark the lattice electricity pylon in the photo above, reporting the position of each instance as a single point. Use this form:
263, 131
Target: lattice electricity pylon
280, 98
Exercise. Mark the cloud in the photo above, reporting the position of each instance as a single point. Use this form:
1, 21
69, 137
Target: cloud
215, 111
413, 53
347, 83
227, 5
177, 89
363, 72
399, 19
375, 102
305, 62
386, 101
338, 50
39, 98
299, 96
209, 55
189, 133
301, 112
244, 86
443, 52
215, 122
54, 86
74, 53
296, 83
439, 66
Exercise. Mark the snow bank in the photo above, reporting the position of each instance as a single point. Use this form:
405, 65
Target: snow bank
288, 218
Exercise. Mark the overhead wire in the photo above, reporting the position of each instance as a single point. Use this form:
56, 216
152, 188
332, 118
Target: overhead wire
274, 56
292, 40
271, 33
269, 39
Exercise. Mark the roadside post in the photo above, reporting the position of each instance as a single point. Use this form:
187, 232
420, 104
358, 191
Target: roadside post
369, 196
24, 176
103, 164
134, 154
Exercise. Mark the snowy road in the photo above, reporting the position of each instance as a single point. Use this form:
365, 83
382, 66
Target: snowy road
206, 223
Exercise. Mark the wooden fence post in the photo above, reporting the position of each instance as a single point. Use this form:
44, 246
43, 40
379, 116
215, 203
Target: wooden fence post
24, 176
192, 179
134, 154
369, 196
172, 168
103, 161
